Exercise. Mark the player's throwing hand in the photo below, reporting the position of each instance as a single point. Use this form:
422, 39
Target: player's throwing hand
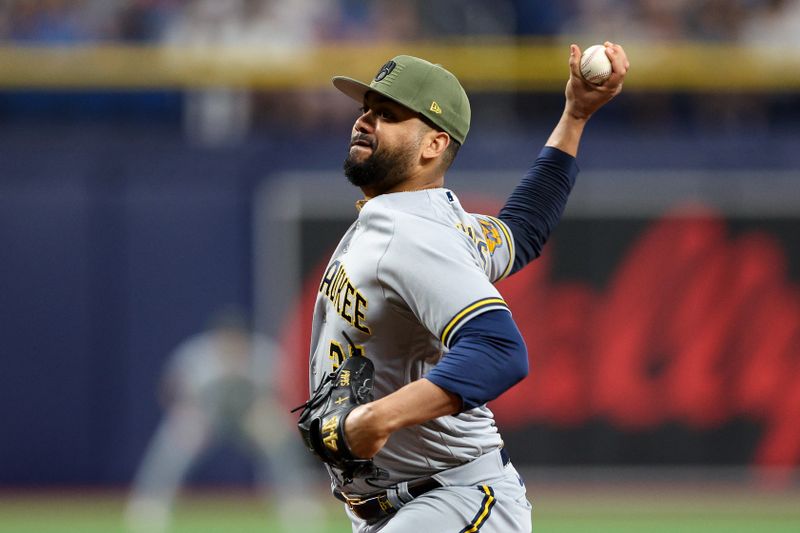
584, 98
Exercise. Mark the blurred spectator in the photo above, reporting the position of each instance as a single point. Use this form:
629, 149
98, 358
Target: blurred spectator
372, 20
628, 20
448, 18
46, 21
284, 31
774, 22
599, 20
660, 20
289, 23
275, 24
145, 20
217, 386
542, 18
718, 20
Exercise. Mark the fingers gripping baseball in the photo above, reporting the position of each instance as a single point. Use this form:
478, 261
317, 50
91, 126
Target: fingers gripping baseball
583, 97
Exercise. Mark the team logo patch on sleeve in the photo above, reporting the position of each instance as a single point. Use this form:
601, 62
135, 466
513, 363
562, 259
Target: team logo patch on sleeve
497, 224
490, 233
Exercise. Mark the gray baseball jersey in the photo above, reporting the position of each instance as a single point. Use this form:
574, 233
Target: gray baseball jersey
410, 271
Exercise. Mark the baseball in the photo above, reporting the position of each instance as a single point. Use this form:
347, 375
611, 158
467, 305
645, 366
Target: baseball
595, 65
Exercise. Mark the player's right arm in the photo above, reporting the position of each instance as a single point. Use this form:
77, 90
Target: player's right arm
584, 98
536, 205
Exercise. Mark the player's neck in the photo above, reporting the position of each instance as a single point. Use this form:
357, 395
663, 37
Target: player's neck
360, 203
419, 182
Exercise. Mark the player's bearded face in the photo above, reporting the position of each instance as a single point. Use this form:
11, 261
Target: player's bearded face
385, 166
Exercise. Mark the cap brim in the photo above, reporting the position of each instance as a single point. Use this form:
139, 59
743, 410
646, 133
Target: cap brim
352, 88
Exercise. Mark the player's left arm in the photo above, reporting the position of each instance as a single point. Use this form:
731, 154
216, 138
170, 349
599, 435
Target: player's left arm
368, 426
536, 205
487, 357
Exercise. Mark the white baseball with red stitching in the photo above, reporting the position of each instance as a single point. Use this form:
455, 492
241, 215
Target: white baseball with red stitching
595, 65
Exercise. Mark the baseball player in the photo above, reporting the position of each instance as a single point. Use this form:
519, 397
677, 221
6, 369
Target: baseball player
410, 338
217, 387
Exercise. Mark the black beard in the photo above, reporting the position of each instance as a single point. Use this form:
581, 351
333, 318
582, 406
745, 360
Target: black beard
380, 171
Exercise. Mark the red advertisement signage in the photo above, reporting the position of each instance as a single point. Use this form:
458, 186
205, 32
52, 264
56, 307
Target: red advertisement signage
675, 340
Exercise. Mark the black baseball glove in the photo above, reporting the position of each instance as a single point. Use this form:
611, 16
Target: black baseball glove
321, 423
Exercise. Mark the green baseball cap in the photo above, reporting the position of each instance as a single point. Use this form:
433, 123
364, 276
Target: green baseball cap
421, 86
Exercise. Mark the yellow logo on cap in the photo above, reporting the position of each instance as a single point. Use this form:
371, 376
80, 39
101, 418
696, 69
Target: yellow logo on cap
435, 108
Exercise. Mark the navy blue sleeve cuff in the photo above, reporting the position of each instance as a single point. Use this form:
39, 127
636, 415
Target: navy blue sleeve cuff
487, 357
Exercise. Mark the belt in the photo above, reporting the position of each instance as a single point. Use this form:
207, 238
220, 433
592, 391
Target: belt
374, 506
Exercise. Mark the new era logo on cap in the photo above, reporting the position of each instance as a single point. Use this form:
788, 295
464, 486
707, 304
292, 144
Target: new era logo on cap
435, 108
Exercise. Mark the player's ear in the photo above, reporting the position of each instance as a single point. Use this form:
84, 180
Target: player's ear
435, 143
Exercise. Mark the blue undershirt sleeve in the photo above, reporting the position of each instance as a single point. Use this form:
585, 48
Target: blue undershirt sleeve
536, 205
487, 357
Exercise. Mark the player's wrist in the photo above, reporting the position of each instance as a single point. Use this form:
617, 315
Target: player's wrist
367, 421
576, 114
382, 418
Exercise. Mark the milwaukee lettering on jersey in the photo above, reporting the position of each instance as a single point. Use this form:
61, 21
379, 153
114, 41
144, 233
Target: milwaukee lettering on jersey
350, 304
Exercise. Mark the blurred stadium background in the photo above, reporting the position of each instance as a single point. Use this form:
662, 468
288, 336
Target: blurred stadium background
163, 159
